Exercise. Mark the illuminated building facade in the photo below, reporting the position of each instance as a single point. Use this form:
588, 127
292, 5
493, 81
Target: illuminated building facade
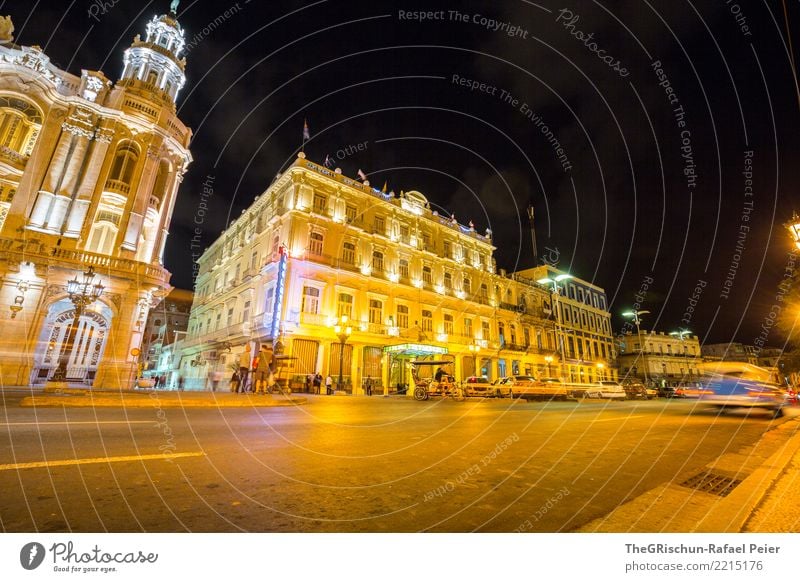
89, 172
318, 248
659, 357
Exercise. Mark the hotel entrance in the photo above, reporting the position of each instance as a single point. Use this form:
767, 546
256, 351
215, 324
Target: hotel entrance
398, 356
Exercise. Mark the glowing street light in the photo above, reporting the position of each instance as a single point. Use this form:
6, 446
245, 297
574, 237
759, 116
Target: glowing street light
634, 314
343, 331
681, 335
559, 334
794, 229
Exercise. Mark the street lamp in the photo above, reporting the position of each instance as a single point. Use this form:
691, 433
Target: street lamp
549, 360
559, 335
634, 314
82, 294
794, 228
600, 367
474, 347
681, 334
343, 331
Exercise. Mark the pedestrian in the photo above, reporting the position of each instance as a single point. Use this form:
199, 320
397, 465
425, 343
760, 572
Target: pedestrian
317, 382
155, 382
263, 371
180, 383
329, 385
235, 381
162, 381
309, 381
369, 386
215, 376
244, 368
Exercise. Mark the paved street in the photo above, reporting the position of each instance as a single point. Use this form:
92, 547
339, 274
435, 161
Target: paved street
354, 464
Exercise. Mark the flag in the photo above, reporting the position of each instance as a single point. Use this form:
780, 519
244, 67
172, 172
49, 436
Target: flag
306, 134
362, 176
385, 184
328, 161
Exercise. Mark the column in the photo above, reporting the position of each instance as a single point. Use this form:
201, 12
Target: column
137, 207
88, 184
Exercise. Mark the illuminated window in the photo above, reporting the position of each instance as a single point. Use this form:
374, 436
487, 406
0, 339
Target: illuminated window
379, 225
403, 267
377, 262
350, 213
448, 324
427, 320
375, 311
315, 241
349, 253
320, 203
402, 316
448, 281
467, 286
124, 163
269, 303
344, 306
427, 275
310, 300
486, 330
467, 327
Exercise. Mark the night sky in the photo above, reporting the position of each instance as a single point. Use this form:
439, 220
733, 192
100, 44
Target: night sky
648, 199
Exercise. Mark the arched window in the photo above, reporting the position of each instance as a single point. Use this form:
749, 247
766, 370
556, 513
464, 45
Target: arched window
124, 162
20, 123
160, 187
102, 237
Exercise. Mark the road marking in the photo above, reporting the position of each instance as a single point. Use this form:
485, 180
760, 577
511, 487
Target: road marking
60, 422
618, 419
67, 462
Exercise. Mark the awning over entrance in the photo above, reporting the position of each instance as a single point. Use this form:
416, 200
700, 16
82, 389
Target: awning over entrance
413, 350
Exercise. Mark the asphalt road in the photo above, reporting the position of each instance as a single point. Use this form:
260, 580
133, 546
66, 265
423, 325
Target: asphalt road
342, 464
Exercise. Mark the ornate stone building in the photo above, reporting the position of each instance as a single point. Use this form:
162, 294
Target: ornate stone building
89, 172
317, 247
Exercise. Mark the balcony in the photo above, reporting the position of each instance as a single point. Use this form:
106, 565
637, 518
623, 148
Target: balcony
13, 158
118, 186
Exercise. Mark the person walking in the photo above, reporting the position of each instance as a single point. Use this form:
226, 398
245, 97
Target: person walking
244, 368
263, 374
317, 382
368, 386
235, 381
156, 380
309, 382
180, 383
329, 385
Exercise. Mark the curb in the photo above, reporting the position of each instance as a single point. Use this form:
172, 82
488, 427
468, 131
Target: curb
143, 401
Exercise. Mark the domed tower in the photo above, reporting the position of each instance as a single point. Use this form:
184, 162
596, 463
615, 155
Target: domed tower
154, 64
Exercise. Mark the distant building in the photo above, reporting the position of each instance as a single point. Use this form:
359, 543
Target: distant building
166, 324
319, 249
89, 173
583, 323
659, 357
730, 352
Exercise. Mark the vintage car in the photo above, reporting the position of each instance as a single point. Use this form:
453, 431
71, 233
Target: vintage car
608, 389
529, 388
741, 385
479, 386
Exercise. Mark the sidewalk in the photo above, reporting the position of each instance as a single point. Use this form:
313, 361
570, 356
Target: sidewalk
78, 398
766, 500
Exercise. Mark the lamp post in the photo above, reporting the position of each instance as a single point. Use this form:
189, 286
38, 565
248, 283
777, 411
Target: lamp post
559, 335
600, 370
794, 229
634, 314
82, 294
549, 360
474, 347
343, 331
681, 334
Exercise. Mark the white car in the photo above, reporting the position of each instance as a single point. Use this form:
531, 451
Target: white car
479, 386
607, 389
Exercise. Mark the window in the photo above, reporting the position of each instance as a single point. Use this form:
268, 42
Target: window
426, 242
375, 311
404, 234
402, 316
270, 300
229, 321
512, 329
246, 312
403, 266
501, 332
485, 330
448, 249
254, 260
218, 321
350, 213
526, 333
315, 241
344, 306
427, 275
448, 324
276, 241
467, 327
448, 281
124, 162
427, 320
310, 300
349, 253
466, 285
320, 203
380, 225
377, 262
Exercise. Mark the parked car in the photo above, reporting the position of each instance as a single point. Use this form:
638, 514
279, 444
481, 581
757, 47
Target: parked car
479, 386
530, 388
638, 391
741, 385
690, 390
514, 386
607, 389
666, 391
